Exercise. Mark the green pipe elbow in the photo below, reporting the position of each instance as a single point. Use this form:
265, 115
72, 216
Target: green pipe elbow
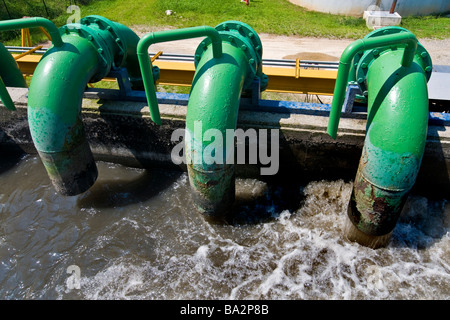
90, 50
394, 145
213, 109
54, 114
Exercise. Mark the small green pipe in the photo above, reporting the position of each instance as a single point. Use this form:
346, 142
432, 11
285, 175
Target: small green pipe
35, 22
345, 65
164, 36
9, 72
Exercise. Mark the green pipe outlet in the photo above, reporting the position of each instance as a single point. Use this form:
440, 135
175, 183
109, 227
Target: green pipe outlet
395, 80
90, 49
213, 108
214, 104
227, 62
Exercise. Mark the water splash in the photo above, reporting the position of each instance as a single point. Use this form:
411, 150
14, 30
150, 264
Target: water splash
147, 242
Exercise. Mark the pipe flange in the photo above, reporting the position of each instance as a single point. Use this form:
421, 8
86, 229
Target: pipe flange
362, 61
241, 36
105, 56
105, 24
104, 35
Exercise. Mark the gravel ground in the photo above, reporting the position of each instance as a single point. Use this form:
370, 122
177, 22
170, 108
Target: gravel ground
292, 47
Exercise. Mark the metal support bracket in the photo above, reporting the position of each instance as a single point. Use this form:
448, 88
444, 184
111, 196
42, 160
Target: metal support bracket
352, 91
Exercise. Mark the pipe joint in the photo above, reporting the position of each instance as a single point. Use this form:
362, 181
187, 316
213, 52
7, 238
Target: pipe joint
358, 56
413, 51
241, 36
106, 37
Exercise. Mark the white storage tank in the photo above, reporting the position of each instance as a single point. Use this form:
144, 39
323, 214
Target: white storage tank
357, 7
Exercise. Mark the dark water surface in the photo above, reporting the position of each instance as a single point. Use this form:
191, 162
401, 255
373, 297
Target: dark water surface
136, 235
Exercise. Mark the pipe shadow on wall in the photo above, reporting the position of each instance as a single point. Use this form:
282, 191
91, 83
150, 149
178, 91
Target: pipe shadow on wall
136, 143
10, 151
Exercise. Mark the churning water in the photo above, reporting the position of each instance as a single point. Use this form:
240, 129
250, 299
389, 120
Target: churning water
136, 235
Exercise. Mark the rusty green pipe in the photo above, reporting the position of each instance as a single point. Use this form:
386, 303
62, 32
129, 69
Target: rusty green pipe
91, 48
394, 144
213, 107
54, 114
165, 36
395, 80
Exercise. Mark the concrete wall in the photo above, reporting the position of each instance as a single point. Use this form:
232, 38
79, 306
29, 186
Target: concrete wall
357, 7
122, 132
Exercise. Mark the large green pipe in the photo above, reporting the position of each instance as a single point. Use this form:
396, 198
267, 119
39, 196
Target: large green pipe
214, 104
394, 144
54, 114
227, 62
88, 52
213, 109
396, 81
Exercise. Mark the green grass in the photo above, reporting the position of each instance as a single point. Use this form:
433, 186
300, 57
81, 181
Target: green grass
265, 16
